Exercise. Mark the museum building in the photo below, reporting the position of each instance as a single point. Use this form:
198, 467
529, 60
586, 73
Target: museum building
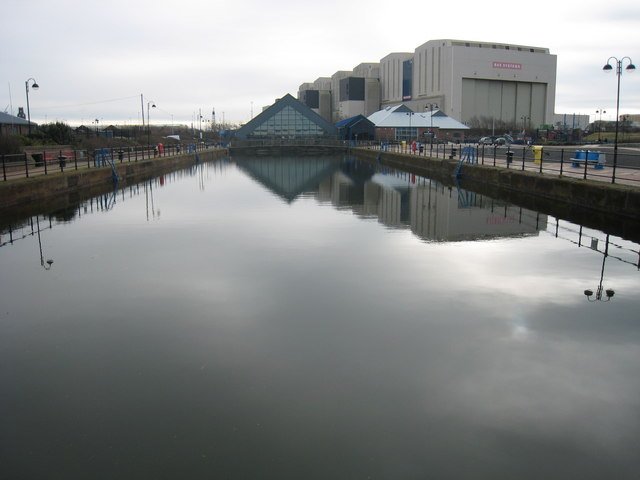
474, 82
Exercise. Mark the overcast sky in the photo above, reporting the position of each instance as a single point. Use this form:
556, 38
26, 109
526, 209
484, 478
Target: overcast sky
93, 59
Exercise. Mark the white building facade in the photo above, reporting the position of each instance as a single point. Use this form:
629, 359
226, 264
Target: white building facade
477, 83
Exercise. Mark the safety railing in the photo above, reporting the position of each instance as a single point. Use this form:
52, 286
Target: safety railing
47, 161
583, 162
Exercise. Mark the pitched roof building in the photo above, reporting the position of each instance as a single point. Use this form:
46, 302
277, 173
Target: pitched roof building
10, 125
401, 123
289, 119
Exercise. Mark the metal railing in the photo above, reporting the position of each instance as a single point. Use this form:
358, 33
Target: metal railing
584, 163
47, 161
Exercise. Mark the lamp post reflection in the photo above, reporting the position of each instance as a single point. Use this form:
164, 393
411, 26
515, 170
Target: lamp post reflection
45, 264
609, 293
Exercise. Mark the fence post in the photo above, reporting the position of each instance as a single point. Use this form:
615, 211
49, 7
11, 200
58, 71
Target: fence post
44, 159
4, 169
495, 150
26, 165
541, 157
586, 162
524, 151
75, 159
561, 161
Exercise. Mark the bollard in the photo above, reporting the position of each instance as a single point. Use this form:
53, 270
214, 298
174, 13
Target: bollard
63, 161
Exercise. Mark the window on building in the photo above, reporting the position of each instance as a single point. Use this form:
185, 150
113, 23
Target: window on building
288, 123
406, 133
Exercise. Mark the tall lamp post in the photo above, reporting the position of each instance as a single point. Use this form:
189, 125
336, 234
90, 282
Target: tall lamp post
410, 131
600, 124
150, 105
524, 119
431, 107
607, 68
35, 86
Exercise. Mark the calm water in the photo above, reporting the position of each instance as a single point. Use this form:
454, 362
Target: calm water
310, 319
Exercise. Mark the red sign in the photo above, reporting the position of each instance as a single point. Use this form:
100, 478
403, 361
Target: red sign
509, 65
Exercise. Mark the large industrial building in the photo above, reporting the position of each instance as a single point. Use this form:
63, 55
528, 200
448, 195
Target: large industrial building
476, 83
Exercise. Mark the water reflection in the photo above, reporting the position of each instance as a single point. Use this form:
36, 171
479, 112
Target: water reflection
432, 211
326, 319
46, 265
398, 200
609, 292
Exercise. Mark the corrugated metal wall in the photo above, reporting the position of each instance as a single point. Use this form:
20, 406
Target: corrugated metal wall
504, 101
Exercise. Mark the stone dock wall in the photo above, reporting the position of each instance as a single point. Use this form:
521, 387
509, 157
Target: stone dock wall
595, 204
25, 196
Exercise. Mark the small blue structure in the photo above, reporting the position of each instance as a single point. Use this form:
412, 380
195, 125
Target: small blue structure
101, 158
594, 157
468, 155
356, 128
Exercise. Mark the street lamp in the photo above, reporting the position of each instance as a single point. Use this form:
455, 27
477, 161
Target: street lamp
411, 114
431, 107
153, 105
607, 68
600, 124
524, 119
35, 86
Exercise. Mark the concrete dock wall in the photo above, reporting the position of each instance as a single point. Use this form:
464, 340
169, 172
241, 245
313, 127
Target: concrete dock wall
616, 199
22, 196
604, 206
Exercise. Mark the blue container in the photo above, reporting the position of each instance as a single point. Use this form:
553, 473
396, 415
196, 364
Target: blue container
593, 156
580, 155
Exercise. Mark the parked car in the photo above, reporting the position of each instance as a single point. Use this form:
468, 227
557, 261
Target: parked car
487, 140
505, 139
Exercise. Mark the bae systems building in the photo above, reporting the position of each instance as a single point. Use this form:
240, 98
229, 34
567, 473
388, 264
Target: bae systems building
477, 83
